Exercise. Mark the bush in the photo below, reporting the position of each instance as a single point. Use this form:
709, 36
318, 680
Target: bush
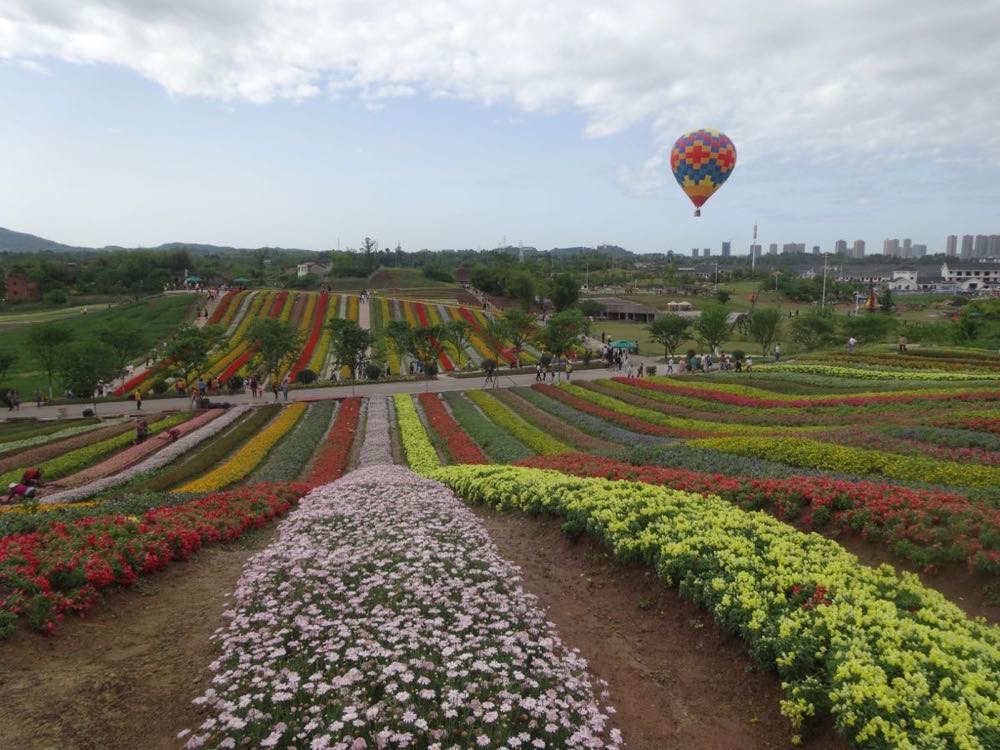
88, 412
738, 355
160, 387
306, 376
431, 370
373, 371
235, 384
56, 297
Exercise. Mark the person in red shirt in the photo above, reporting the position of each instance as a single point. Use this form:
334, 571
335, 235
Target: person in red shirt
32, 477
19, 492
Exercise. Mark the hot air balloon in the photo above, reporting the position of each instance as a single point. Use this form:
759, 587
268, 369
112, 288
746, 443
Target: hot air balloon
701, 161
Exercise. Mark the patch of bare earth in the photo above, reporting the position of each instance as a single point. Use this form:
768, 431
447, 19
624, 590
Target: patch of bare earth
676, 679
124, 676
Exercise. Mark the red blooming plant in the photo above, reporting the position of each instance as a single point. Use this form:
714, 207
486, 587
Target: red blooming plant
927, 526
62, 567
332, 460
461, 447
314, 333
220, 309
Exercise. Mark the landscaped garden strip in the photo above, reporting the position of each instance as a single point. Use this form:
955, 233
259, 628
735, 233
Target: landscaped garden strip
926, 526
876, 374
423, 316
585, 422
215, 452
165, 456
420, 454
313, 333
221, 309
531, 436
250, 455
873, 439
288, 460
317, 363
461, 448
564, 432
895, 663
62, 567
384, 617
376, 448
615, 417
802, 452
950, 437
53, 434
74, 460
331, 461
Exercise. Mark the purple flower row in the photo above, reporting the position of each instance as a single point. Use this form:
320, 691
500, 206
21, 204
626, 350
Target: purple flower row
384, 617
158, 460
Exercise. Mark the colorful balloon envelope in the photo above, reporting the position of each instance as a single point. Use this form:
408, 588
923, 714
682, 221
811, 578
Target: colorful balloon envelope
701, 161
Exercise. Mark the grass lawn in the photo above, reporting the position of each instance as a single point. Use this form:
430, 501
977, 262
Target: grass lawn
157, 317
637, 332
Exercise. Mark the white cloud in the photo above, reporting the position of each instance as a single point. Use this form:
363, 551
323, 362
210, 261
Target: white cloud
832, 80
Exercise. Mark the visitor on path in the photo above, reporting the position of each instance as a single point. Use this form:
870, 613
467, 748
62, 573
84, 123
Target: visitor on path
194, 398
902, 343
851, 343
202, 387
137, 395
19, 492
569, 369
38, 397
274, 388
670, 366
141, 430
538, 372
777, 352
284, 387
749, 364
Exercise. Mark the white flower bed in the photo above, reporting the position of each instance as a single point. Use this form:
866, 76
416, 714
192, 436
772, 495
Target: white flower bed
384, 617
158, 460
17, 445
377, 448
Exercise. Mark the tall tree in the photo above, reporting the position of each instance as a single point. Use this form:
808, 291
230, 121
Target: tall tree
371, 248
457, 333
277, 342
82, 366
563, 332
349, 343
127, 341
564, 291
427, 344
520, 327
188, 349
6, 362
401, 334
712, 325
669, 331
497, 335
764, 326
813, 330
46, 344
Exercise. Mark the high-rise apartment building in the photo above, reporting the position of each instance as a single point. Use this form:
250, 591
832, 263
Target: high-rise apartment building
919, 251
694, 252
858, 250
772, 249
890, 248
967, 240
907, 249
840, 247
993, 249
982, 246
727, 249
951, 245
707, 252
815, 249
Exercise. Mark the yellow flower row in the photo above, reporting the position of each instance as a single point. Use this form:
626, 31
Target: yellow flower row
420, 454
42, 508
896, 664
249, 456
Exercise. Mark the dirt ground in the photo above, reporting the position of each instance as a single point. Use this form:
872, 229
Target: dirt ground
676, 680
123, 677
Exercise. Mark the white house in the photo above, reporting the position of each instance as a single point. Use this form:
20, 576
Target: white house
972, 277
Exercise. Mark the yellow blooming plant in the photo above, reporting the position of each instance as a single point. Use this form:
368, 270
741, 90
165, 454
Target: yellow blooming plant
43, 508
837, 371
528, 434
249, 456
420, 454
895, 663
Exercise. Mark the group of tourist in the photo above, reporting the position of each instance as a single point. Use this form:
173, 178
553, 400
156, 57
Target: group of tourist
551, 370
27, 488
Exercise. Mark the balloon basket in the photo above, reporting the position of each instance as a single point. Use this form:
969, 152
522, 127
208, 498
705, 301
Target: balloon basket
697, 212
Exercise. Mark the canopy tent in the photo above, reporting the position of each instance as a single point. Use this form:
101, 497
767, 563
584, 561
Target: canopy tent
623, 344
241, 281
192, 280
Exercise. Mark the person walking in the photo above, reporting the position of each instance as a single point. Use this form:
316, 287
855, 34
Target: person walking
253, 386
670, 366
284, 387
777, 352
749, 363
902, 343
137, 395
851, 343
274, 388
569, 369
38, 397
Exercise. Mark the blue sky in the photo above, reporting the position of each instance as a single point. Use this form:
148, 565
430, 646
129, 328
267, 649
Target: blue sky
165, 128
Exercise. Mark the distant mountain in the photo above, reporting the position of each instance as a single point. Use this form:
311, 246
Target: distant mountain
26, 243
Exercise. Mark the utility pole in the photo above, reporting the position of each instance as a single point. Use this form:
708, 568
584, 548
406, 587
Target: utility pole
716, 277
822, 304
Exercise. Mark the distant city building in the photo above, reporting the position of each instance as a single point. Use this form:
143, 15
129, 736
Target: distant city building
772, 249
993, 250
907, 250
858, 250
791, 248
815, 249
707, 251
727, 249
19, 288
890, 248
919, 251
840, 247
755, 251
982, 246
967, 240
694, 252
951, 246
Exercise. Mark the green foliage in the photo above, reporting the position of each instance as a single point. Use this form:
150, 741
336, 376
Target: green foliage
712, 327
723, 296
591, 308
563, 332
438, 274
287, 460
563, 291
813, 330
56, 296
188, 349
277, 343
349, 343
498, 444
45, 343
868, 329
457, 333
83, 365
764, 326
306, 375
669, 331
885, 301
7, 361
127, 341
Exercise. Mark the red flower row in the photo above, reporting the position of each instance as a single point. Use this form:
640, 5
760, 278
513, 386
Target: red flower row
278, 305
460, 445
62, 567
925, 525
332, 460
220, 309
982, 424
768, 403
467, 314
624, 420
314, 334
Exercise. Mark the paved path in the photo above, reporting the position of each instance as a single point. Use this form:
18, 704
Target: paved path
440, 384
365, 318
